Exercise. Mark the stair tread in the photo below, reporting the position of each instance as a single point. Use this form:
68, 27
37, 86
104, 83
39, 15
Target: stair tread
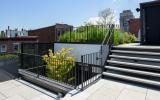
133, 71
137, 47
130, 78
135, 58
134, 64
135, 52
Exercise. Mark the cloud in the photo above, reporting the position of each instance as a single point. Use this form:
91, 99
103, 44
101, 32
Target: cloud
93, 20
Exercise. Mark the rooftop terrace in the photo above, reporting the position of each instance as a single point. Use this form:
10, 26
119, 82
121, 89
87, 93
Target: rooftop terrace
111, 90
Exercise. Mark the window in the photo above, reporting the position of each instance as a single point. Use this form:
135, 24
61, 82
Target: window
16, 47
3, 48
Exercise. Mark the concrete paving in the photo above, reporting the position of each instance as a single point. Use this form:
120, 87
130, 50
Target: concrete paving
111, 90
22, 90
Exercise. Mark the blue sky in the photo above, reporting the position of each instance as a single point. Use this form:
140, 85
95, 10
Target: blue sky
31, 14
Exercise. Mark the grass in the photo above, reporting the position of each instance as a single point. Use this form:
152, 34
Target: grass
7, 56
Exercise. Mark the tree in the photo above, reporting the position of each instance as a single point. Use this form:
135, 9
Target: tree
2, 34
106, 16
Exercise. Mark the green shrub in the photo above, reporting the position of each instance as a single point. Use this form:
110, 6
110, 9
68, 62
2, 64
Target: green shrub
85, 34
7, 56
60, 64
95, 34
123, 38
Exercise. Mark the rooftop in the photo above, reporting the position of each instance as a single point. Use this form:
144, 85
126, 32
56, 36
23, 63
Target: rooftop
19, 38
21, 90
111, 90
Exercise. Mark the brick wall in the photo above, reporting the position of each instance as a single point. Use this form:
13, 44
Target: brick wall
134, 26
44, 35
9, 42
50, 34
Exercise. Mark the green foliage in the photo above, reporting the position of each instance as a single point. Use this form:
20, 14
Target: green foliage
96, 34
59, 65
123, 38
87, 33
7, 56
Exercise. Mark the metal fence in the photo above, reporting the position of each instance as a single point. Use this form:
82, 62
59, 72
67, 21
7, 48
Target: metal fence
56, 69
93, 64
73, 74
9, 64
93, 34
91, 69
36, 48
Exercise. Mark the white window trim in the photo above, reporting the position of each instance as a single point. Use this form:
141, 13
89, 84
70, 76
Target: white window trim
5, 49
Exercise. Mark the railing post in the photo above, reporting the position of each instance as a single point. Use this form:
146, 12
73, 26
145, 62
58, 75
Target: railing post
21, 56
38, 59
102, 58
113, 34
82, 69
87, 33
75, 72
70, 34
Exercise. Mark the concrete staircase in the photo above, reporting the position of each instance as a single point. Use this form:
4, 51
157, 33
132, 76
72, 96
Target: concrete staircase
139, 64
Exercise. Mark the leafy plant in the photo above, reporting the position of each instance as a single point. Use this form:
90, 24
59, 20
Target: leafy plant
60, 64
88, 33
122, 38
96, 34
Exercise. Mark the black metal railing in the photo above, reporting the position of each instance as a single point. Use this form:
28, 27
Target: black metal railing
9, 64
107, 44
58, 70
36, 48
90, 69
85, 34
92, 65
74, 74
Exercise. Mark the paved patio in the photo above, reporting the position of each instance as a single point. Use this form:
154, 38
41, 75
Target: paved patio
102, 90
21, 90
111, 90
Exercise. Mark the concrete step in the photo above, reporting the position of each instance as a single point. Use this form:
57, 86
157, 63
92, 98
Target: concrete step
135, 58
132, 71
133, 65
135, 52
132, 79
138, 48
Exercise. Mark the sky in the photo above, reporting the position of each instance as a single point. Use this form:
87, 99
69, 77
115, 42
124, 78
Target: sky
32, 14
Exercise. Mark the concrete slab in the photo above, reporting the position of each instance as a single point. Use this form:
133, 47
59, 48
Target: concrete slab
128, 94
22, 90
153, 95
112, 90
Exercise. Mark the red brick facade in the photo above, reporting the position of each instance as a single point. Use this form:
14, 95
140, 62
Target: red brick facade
11, 42
134, 26
50, 34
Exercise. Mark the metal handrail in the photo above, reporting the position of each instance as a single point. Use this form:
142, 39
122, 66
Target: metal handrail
104, 45
86, 59
108, 35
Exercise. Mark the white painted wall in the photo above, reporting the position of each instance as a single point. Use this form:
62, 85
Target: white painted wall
78, 49
12, 33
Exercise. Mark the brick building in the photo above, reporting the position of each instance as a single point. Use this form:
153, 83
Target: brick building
13, 44
50, 34
134, 26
